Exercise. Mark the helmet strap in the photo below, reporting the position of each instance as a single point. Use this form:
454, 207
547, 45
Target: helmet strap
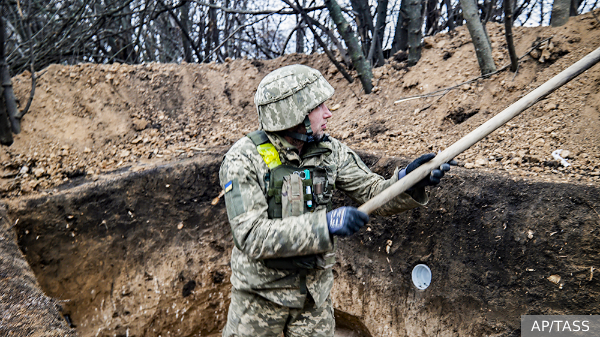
307, 138
307, 126
295, 135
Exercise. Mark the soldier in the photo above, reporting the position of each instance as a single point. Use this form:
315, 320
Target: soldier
278, 184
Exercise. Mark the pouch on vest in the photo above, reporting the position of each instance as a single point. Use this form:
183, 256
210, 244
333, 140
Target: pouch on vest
323, 186
292, 196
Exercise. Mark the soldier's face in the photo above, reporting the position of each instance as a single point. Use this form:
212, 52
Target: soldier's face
318, 120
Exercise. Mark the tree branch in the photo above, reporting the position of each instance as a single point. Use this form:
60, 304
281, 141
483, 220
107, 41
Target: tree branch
251, 12
235, 31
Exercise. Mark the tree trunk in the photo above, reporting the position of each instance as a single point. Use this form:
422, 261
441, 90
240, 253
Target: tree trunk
202, 37
450, 14
560, 12
401, 33
185, 22
9, 96
376, 51
508, 23
128, 53
365, 22
212, 35
415, 13
483, 49
6, 137
574, 7
299, 35
432, 15
331, 56
358, 58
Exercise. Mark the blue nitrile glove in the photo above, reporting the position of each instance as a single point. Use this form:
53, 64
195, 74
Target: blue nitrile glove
435, 176
346, 220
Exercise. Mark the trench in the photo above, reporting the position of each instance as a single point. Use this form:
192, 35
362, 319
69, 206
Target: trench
145, 253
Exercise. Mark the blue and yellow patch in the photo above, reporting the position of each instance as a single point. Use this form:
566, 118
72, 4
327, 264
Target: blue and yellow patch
228, 186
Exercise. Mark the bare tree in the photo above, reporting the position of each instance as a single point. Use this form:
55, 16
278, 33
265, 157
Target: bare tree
299, 30
10, 102
414, 38
358, 58
6, 137
432, 17
508, 23
400, 41
185, 29
481, 42
560, 12
376, 50
364, 22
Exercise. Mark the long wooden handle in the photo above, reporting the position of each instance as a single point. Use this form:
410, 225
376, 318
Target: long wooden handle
481, 132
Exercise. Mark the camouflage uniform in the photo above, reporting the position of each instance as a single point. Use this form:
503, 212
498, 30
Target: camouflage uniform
268, 301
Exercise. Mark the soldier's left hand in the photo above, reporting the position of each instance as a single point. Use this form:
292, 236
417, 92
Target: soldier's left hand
434, 178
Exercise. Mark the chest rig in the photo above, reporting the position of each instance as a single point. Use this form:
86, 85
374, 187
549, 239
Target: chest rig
293, 191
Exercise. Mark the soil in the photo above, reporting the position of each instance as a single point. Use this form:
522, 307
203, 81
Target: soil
26, 309
117, 223
146, 254
90, 119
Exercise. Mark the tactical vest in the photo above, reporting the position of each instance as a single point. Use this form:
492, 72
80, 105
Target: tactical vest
293, 191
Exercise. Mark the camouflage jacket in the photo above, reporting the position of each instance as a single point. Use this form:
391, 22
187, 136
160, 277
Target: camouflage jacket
257, 237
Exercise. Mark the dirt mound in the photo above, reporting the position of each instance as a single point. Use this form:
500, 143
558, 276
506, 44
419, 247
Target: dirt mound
90, 119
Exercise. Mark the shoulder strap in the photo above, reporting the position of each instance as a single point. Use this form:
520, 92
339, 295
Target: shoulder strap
267, 151
258, 137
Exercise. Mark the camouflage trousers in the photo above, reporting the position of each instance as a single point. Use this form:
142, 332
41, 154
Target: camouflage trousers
252, 315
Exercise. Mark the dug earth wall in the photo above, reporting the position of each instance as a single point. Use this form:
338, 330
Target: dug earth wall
144, 252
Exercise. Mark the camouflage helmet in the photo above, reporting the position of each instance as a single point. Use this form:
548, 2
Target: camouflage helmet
287, 95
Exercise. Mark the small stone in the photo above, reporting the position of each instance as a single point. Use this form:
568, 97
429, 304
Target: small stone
87, 150
124, 153
539, 142
180, 226
530, 234
550, 107
140, 124
38, 172
469, 165
516, 161
347, 134
481, 162
554, 279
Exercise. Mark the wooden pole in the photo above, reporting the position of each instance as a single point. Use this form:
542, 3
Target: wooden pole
482, 131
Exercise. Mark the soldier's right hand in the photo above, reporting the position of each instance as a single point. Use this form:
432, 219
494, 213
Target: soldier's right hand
346, 220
